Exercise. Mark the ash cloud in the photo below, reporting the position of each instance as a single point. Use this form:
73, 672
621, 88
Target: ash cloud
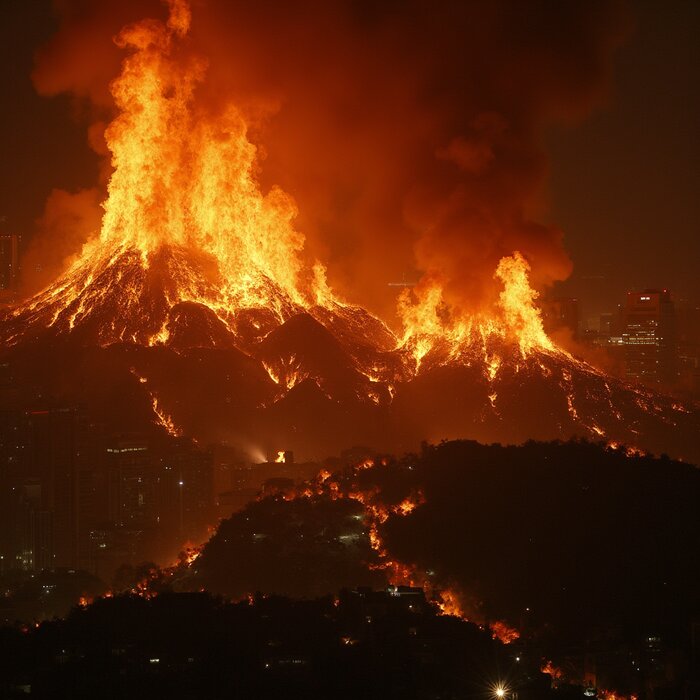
410, 134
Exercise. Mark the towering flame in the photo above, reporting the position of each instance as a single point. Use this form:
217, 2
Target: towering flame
185, 219
430, 323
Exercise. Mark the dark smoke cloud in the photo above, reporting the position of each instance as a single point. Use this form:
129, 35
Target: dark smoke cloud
409, 133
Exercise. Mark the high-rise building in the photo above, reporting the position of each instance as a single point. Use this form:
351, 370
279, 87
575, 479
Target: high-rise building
35, 528
130, 483
649, 337
26, 537
43, 460
56, 443
185, 489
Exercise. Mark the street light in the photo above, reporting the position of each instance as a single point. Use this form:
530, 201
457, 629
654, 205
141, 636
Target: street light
500, 692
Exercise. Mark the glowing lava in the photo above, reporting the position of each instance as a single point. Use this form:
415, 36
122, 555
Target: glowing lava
186, 223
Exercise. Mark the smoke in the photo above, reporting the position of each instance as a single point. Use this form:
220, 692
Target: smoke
409, 134
69, 218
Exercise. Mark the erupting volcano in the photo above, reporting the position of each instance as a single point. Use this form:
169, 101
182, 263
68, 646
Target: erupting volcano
200, 280
184, 221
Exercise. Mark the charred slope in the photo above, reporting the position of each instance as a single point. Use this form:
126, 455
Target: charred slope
564, 540
302, 348
304, 548
319, 382
209, 391
588, 539
544, 396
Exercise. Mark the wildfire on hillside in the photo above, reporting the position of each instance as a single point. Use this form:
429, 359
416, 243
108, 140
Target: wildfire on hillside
447, 597
185, 221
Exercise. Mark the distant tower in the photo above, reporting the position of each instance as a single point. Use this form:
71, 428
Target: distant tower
130, 483
56, 452
649, 336
9, 261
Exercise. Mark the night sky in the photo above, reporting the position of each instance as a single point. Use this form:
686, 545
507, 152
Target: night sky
623, 186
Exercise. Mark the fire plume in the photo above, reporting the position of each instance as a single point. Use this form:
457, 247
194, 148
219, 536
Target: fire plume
184, 219
553, 671
431, 324
186, 226
449, 604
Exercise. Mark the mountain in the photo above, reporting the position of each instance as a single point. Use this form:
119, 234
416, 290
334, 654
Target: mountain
196, 308
305, 389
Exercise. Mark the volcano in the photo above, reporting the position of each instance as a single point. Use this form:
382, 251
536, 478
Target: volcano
196, 309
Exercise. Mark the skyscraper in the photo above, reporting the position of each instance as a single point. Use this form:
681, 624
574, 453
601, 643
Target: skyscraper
131, 482
57, 452
649, 336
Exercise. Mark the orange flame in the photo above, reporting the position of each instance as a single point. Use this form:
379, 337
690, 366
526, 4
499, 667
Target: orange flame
449, 603
185, 221
184, 208
430, 323
164, 419
554, 672
503, 632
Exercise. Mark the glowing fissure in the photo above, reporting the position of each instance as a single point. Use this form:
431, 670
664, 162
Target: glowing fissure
162, 418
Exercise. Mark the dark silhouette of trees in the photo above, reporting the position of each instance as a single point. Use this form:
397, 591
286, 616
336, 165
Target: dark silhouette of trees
193, 645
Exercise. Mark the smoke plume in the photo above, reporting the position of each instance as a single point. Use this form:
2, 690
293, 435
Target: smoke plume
409, 134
